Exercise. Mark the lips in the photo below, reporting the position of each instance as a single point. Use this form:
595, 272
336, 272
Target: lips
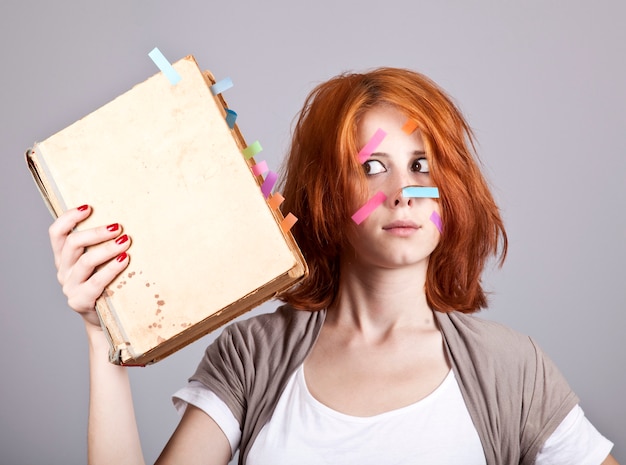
401, 224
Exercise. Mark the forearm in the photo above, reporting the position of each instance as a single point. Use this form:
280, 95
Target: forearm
112, 432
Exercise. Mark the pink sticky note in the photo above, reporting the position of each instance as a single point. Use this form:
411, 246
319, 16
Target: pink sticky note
268, 184
371, 145
259, 168
365, 211
435, 218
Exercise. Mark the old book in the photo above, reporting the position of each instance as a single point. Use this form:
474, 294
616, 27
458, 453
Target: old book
207, 246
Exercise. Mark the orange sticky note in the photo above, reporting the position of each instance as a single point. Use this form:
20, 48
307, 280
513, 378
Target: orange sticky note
287, 223
409, 126
275, 200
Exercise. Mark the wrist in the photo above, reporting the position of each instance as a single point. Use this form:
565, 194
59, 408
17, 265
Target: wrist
96, 336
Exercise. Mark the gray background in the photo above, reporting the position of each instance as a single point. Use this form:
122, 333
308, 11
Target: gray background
543, 84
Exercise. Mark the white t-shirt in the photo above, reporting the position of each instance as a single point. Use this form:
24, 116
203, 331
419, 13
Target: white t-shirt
437, 430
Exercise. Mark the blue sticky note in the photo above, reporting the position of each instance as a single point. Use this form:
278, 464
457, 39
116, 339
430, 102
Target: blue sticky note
420, 192
164, 66
231, 117
221, 86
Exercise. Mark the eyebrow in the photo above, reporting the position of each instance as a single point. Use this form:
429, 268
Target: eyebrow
386, 155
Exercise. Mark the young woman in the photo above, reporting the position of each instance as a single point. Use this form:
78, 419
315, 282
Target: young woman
374, 358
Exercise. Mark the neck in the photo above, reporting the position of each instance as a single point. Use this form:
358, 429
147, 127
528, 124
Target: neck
379, 300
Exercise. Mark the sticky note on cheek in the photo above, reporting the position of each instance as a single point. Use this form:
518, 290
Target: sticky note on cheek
436, 219
366, 210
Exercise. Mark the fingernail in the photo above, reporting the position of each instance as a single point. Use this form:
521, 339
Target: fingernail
82, 208
121, 257
121, 239
113, 227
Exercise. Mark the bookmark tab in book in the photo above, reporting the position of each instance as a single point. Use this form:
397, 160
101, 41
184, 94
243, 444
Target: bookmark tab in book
221, 86
268, 184
231, 117
275, 200
260, 168
287, 223
252, 149
165, 66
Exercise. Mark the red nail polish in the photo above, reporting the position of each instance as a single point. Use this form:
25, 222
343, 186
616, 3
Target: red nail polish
82, 208
113, 227
121, 257
120, 240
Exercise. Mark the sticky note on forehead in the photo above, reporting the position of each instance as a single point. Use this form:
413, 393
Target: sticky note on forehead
371, 145
409, 126
420, 192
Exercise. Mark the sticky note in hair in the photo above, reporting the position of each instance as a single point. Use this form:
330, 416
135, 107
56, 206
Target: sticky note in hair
409, 126
371, 145
420, 192
164, 65
221, 86
252, 149
366, 210
436, 219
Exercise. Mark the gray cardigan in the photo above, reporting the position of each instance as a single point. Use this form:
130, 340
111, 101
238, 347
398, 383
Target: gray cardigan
514, 393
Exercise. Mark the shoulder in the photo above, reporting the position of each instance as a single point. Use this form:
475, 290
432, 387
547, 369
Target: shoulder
258, 348
277, 335
484, 338
270, 327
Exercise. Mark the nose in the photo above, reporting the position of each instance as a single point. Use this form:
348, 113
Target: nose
398, 200
396, 182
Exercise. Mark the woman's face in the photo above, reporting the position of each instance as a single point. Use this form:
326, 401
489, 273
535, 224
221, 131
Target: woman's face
399, 232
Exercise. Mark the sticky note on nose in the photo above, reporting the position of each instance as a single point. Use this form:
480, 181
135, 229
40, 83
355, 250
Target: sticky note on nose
420, 192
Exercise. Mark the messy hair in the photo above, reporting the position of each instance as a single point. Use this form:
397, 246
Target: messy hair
324, 183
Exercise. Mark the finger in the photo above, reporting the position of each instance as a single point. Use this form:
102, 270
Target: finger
76, 243
87, 263
87, 250
82, 297
63, 226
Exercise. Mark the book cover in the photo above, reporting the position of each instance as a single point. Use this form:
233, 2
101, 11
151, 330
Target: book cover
162, 161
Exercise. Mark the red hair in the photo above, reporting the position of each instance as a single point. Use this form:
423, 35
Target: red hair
324, 184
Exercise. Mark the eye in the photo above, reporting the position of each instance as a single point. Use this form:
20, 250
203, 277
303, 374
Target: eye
373, 167
420, 165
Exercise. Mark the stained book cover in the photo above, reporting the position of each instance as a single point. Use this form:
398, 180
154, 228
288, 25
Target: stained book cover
162, 161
